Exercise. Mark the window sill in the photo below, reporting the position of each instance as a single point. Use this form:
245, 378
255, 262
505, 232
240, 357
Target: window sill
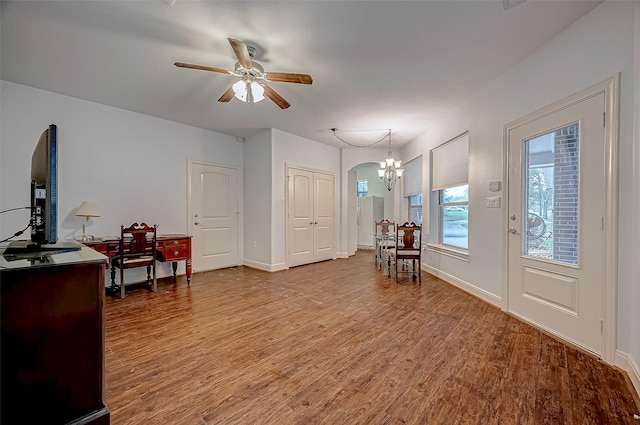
449, 251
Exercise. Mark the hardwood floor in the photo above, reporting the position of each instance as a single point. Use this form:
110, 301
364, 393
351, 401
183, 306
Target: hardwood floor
339, 343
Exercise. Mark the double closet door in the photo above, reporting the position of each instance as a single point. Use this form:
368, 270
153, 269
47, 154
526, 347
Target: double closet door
311, 209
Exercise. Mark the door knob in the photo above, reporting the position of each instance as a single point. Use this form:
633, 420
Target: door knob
196, 223
512, 230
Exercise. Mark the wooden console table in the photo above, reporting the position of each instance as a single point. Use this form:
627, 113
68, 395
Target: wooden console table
170, 247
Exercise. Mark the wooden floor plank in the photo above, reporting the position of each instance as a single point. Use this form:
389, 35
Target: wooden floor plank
339, 343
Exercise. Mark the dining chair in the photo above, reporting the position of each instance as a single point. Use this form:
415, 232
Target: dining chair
407, 251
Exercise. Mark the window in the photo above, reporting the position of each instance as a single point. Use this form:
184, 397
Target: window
363, 188
449, 181
415, 208
454, 216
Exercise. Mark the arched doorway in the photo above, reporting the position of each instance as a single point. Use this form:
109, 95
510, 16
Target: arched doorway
368, 200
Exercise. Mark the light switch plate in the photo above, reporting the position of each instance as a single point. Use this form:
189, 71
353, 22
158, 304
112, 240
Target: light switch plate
493, 202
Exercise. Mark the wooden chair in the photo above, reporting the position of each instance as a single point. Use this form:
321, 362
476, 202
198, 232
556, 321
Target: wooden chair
137, 249
408, 250
385, 239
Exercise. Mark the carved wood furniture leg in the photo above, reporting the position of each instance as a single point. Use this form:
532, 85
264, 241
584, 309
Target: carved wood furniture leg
174, 266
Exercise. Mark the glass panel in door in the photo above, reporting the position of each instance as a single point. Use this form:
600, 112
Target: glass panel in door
550, 186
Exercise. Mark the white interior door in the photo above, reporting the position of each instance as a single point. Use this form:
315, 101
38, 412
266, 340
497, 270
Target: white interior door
214, 210
556, 196
324, 229
310, 216
300, 217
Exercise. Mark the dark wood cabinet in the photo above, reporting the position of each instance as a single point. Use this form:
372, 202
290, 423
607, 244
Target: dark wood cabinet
52, 346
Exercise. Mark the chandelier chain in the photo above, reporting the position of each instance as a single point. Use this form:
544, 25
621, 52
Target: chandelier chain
334, 130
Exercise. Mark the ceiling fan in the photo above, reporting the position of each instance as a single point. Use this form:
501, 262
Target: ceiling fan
252, 86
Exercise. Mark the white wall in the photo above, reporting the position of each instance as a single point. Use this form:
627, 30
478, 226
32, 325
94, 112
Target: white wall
289, 150
257, 200
132, 165
595, 48
351, 225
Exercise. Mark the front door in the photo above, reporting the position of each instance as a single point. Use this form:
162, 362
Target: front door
214, 216
556, 193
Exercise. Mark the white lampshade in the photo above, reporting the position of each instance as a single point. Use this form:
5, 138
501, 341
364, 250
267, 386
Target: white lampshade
248, 92
399, 172
381, 173
258, 92
88, 209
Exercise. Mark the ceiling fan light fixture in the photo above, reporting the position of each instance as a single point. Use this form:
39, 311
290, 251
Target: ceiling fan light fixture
252, 84
250, 92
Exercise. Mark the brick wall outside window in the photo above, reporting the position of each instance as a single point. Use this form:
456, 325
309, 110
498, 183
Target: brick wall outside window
565, 199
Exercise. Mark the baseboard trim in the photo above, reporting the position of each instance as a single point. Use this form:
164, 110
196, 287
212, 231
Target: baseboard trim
264, 266
278, 267
465, 286
625, 362
342, 255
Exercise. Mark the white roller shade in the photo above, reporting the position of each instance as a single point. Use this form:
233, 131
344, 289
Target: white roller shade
450, 163
413, 176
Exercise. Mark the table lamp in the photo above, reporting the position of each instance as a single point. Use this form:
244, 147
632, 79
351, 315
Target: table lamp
87, 209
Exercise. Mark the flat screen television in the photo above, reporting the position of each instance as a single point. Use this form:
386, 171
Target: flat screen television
44, 201
44, 188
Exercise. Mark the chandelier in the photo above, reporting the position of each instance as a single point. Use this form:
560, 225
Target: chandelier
390, 169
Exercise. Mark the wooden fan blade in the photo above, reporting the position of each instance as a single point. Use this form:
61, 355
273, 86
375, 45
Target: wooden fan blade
242, 53
201, 67
275, 97
286, 77
227, 96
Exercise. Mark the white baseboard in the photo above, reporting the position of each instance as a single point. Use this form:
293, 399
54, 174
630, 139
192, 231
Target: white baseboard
629, 365
366, 247
278, 267
264, 266
342, 255
465, 286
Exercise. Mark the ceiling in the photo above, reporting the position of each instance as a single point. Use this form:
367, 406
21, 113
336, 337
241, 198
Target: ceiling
376, 65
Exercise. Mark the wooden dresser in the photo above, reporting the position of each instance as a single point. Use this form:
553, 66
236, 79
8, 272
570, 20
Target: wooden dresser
52, 352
